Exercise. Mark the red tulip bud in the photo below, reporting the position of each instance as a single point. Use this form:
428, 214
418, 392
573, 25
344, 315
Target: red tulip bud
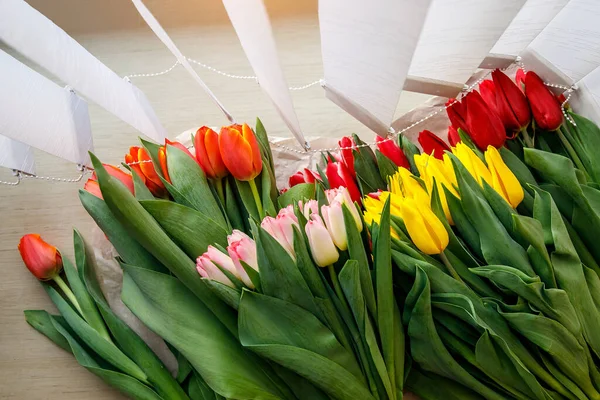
487, 89
453, 136
511, 104
544, 105
520, 77
484, 125
432, 144
41, 259
339, 176
347, 157
392, 151
304, 176
457, 113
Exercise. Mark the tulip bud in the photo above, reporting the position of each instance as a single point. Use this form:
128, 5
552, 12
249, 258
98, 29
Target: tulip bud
282, 228
484, 125
342, 196
162, 157
321, 245
520, 78
240, 152
304, 176
308, 208
544, 105
242, 248
453, 136
424, 228
443, 172
140, 162
93, 187
472, 163
41, 259
457, 113
339, 176
432, 144
391, 150
208, 155
503, 179
208, 270
347, 157
487, 89
511, 103
333, 217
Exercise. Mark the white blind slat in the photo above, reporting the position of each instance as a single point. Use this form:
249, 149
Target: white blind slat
39, 113
458, 35
529, 22
367, 47
571, 42
16, 155
40, 40
251, 23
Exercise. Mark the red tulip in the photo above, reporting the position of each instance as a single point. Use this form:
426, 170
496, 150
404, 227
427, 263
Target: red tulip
457, 113
392, 151
208, 155
41, 259
339, 176
488, 92
520, 77
544, 105
432, 144
453, 136
511, 103
305, 176
240, 152
347, 157
484, 125
93, 187
139, 160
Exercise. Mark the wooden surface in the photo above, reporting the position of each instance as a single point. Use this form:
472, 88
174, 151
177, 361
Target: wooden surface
31, 367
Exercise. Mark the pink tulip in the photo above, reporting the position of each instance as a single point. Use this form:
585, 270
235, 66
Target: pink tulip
242, 248
282, 228
208, 270
334, 222
342, 196
321, 245
308, 208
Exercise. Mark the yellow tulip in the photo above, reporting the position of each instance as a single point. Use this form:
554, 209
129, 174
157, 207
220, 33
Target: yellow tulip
404, 184
429, 168
374, 203
424, 228
503, 180
472, 163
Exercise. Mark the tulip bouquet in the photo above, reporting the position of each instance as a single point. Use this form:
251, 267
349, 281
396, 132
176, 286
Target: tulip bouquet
467, 271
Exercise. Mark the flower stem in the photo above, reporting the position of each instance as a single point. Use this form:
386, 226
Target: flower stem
220, 193
450, 268
527, 139
67, 291
256, 198
570, 150
336, 286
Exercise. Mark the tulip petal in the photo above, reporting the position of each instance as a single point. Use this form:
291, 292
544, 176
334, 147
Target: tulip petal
236, 153
248, 134
147, 167
503, 179
201, 152
162, 160
432, 144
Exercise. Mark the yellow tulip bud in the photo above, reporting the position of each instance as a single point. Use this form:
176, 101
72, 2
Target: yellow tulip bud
404, 184
429, 168
472, 163
424, 228
503, 180
373, 204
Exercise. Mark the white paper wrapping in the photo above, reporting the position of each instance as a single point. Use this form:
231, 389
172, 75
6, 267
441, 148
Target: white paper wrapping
39, 113
40, 40
253, 28
458, 35
586, 99
367, 47
164, 37
16, 155
529, 22
571, 42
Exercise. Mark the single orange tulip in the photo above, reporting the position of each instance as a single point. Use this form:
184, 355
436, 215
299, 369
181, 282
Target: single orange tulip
139, 160
93, 187
240, 152
41, 259
208, 155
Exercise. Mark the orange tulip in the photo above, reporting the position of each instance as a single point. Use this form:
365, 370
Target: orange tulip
139, 160
93, 187
162, 157
240, 152
41, 259
208, 155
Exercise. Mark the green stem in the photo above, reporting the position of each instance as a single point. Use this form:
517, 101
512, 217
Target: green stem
450, 268
67, 291
570, 150
219, 187
527, 139
256, 198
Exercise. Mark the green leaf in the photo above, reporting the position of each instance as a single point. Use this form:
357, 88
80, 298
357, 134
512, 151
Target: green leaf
141, 226
386, 166
125, 383
228, 294
107, 350
263, 142
465, 228
587, 133
410, 150
267, 195
141, 191
169, 309
466, 139
41, 321
303, 191
127, 247
152, 149
307, 267
430, 386
356, 251
518, 168
365, 165
247, 198
199, 390
189, 180
190, 229
86, 303
295, 339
